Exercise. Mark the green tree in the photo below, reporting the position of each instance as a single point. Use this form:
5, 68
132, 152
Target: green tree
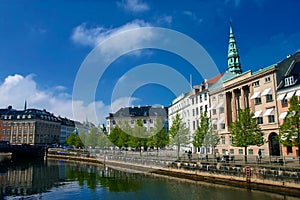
204, 134
103, 141
71, 139
114, 136
92, 137
201, 131
74, 140
82, 136
245, 131
160, 137
139, 136
290, 129
179, 134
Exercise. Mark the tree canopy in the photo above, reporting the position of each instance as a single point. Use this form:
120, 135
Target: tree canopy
290, 129
245, 131
179, 133
205, 134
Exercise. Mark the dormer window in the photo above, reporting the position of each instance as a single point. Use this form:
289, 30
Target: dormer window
289, 81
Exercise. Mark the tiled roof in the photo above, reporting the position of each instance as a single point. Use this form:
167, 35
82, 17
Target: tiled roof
28, 114
288, 67
141, 111
225, 77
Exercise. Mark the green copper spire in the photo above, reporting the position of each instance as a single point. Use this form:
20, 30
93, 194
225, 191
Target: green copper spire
234, 64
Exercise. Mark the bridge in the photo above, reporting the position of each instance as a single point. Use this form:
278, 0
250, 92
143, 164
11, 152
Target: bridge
24, 150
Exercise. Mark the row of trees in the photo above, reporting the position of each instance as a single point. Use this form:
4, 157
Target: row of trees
244, 131
138, 136
92, 139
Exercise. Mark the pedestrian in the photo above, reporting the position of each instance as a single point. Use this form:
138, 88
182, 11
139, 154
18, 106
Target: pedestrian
259, 156
190, 154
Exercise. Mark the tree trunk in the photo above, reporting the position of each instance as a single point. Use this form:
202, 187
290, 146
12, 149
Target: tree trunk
245, 154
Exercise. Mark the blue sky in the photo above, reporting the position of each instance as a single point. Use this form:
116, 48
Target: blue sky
44, 43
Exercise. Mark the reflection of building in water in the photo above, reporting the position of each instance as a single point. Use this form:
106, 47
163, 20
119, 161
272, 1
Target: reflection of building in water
28, 179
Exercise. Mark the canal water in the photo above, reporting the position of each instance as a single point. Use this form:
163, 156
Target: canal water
54, 179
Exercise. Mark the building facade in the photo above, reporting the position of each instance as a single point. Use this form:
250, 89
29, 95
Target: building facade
130, 115
289, 85
67, 128
30, 126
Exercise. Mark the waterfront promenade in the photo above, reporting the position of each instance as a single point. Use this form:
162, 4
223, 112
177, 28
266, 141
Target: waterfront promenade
275, 174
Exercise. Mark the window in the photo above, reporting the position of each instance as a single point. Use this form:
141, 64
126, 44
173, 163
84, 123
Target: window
289, 81
192, 101
194, 125
231, 151
151, 121
269, 97
250, 151
201, 110
257, 101
196, 97
222, 126
223, 151
144, 121
271, 118
205, 96
214, 111
197, 111
284, 102
205, 108
200, 97
256, 84
215, 126
260, 120
223, 140
222, 109
267, 79
193, 112
214, 98
241, 151
230, 140
220, 96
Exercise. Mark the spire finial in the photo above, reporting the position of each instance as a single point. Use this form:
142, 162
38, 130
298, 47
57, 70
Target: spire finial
234, 64
25, 105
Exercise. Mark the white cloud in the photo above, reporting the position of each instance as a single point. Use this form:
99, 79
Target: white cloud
135, 6
16, 89
166, 19
92, 36
193, 16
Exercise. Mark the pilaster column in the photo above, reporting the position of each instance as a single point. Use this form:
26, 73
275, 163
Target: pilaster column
242, 100
233, 105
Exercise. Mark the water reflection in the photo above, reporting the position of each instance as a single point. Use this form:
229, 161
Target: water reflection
53, 179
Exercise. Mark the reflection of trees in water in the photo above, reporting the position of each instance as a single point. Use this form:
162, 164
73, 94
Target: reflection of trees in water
109, 179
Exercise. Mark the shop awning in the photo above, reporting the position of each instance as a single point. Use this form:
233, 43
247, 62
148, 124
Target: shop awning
220, 105
283, 115
269, 111
290, 95
281, 97
266, 91
257, 113
255, 95
221, 120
